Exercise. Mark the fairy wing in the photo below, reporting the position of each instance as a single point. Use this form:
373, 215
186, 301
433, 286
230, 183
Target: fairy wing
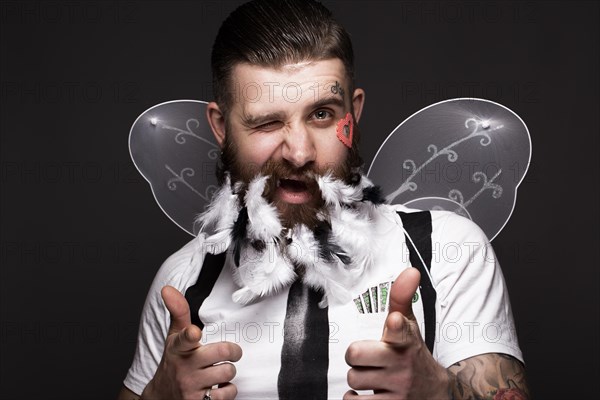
172, 146
464, 155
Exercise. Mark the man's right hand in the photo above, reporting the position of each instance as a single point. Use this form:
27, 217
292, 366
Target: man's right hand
187, 368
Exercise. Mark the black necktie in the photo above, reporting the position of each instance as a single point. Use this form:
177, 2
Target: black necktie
305, 351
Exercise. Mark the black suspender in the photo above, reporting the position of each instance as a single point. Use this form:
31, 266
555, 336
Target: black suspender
197, 293
418, 227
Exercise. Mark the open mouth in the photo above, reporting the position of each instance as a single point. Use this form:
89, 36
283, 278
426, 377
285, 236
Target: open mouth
293, 191
293, 185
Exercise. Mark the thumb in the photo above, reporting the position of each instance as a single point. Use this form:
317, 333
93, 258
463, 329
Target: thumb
403, 291
178, 308
401, 295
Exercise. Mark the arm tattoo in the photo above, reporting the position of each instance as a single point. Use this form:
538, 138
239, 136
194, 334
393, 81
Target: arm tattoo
488, 377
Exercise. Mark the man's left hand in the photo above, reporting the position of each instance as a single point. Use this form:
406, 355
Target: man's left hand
399, 366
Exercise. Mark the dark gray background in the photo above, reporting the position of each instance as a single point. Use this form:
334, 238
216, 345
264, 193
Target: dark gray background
81, 236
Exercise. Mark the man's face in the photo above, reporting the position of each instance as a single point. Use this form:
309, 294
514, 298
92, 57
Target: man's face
282, 123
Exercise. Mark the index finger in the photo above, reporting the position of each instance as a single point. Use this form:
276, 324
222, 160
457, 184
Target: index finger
219, 352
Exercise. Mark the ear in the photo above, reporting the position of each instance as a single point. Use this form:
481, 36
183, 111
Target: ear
216, 120
358, 101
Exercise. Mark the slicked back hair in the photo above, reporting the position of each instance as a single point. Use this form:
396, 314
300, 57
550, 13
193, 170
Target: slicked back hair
273, 33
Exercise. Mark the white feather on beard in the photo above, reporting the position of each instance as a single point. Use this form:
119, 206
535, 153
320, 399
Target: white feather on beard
268, 268
218, 219
261, 273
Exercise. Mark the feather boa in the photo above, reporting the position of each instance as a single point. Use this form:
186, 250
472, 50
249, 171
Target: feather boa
332, 256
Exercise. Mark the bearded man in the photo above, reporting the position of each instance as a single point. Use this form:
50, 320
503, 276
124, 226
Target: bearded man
300, 270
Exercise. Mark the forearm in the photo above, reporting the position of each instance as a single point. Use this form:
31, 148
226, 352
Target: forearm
486, 377
126, 394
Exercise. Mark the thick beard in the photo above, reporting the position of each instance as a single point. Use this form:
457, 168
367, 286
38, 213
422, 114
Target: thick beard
292, 214
308, 214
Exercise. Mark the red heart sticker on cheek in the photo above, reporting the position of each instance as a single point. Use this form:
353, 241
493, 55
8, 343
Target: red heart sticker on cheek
345, 129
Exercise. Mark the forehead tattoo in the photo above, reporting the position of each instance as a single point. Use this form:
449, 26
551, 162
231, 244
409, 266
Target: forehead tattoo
337, 89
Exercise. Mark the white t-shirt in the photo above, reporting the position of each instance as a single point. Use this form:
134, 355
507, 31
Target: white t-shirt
473, 311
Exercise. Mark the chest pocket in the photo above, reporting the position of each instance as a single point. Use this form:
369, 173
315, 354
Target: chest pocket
369, 326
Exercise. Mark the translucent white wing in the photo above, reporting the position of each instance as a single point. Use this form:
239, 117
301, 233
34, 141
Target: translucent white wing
172, 146
464, 155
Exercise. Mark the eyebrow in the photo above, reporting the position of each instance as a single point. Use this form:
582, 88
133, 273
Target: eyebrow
329, 101
256, 120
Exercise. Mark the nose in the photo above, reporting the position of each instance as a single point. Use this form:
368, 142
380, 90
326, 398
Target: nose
299, 148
